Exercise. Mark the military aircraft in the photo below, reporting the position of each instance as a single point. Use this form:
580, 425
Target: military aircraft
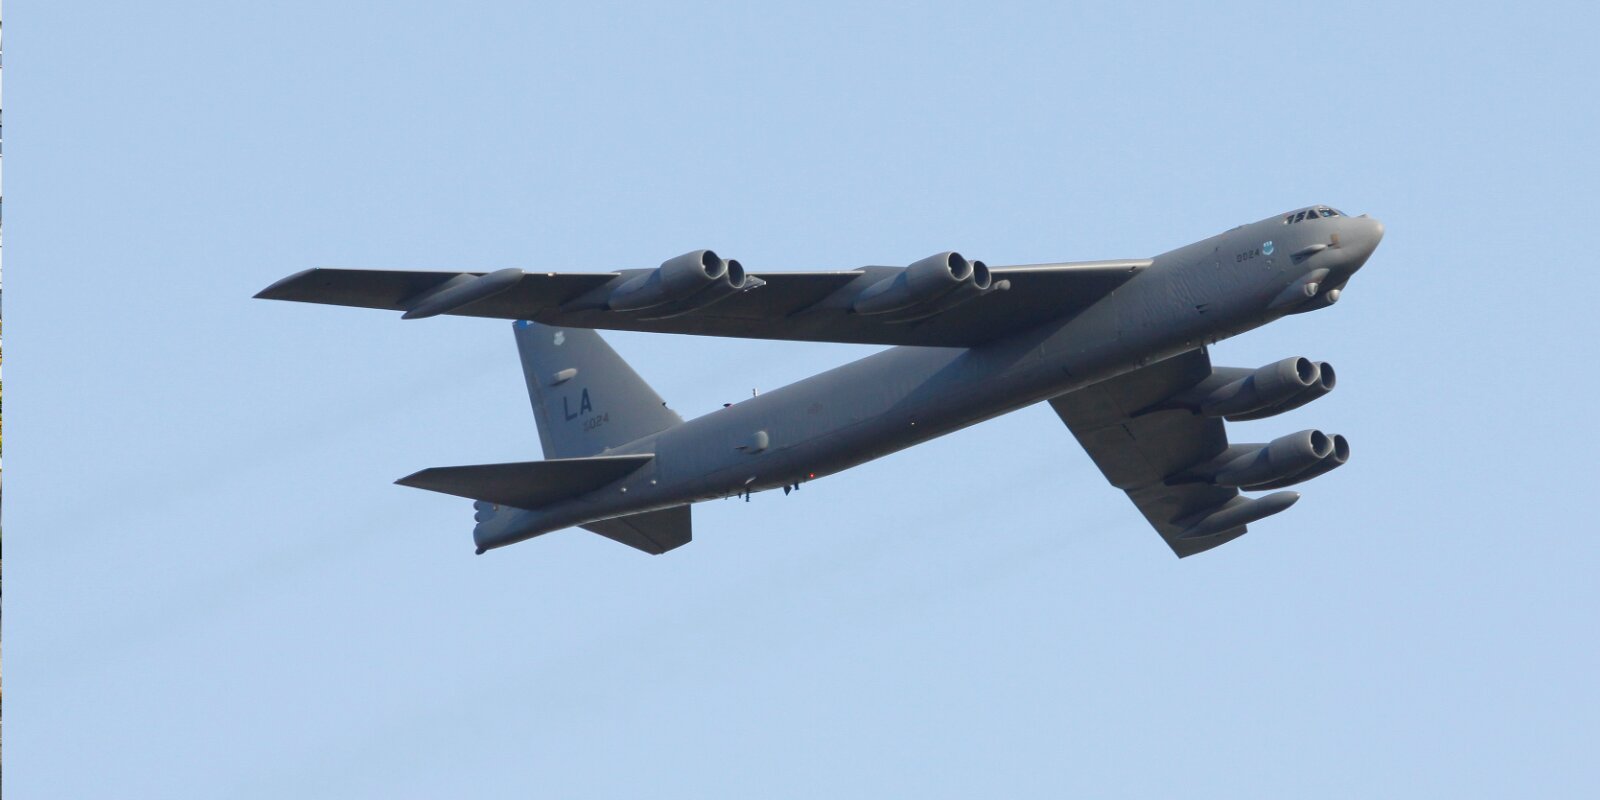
1118, 349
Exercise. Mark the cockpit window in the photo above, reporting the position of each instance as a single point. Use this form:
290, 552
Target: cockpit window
1312, 213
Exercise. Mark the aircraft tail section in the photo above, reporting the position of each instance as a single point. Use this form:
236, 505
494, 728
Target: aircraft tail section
526, 484
653, 532
511, 499
585, 398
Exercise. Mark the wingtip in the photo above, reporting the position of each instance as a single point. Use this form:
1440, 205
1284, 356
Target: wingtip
410, 481
276, 290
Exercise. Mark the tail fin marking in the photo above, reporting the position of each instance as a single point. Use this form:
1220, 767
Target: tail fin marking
586, 399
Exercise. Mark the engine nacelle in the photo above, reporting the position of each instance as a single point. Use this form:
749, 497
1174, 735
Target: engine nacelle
981, 282
1266, 387
1326, 380
733, 282
677, 280
1254, 465
924, 285
1333, 461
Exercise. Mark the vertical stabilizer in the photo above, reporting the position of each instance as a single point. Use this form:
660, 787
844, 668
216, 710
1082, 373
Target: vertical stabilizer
585, 397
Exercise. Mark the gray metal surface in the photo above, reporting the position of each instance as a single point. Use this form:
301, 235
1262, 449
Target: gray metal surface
1117, 346
654, 532
573, 376
1138, 451
803, 306
526, 484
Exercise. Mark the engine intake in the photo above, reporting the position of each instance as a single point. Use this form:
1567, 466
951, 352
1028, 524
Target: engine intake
930, 285
1329, 463
690, 281
1254, 465
1268, 386
1326, 380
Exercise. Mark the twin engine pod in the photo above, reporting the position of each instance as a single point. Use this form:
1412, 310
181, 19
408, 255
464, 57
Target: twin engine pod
1240, 394
681, 284
698, 279
1245, 394
927, 287
1285, 461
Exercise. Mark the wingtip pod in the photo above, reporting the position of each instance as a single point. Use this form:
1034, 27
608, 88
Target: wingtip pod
1236, 512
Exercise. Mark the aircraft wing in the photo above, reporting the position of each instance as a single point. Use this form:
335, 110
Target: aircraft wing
1139, 450
801, 306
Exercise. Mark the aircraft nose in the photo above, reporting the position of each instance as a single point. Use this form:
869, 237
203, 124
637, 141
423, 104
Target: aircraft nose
1366, 233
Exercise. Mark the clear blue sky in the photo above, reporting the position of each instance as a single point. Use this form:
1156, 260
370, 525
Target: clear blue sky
215, 591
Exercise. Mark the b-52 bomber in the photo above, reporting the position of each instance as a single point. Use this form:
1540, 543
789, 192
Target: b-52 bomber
1117, 348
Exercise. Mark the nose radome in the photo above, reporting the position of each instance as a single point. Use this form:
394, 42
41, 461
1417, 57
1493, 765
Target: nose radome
1364, 236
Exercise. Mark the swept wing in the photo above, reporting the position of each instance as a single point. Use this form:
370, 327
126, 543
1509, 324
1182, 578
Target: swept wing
801, 306
1157, 434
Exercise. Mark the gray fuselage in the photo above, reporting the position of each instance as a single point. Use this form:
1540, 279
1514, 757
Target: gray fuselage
1189, 297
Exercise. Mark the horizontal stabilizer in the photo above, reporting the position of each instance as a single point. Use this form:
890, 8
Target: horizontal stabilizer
526, 484
654, 532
